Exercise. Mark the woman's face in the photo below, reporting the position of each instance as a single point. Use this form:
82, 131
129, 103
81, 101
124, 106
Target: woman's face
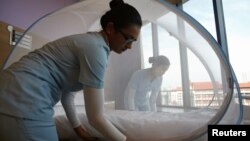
121, 39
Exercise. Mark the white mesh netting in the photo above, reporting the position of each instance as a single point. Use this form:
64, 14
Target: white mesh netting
205, 91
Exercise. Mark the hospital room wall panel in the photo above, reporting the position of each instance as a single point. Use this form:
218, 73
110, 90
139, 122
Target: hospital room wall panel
6, 41
21, 50
23, 13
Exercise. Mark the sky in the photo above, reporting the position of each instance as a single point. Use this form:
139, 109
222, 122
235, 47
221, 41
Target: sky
237, 19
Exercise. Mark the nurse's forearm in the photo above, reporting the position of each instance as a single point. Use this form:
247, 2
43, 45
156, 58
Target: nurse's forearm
152, 100
131, 99
68, 104
94, 103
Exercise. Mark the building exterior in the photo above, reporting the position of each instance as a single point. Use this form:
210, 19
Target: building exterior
202, 94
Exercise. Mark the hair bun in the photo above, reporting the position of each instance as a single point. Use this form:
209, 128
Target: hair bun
150, 59
115, 3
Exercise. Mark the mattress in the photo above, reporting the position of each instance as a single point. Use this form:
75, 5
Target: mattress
141, 126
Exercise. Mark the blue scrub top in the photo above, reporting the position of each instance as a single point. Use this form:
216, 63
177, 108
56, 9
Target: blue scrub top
143, 85
31, 87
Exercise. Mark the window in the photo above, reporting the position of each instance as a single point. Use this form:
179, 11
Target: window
237, 27
147, 45
202, 11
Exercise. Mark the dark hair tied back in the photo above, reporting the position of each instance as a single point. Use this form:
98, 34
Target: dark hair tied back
115, 3
121, 15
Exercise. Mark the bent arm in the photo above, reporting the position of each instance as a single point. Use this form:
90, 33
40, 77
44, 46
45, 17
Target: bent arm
153, 97
94, 103
68, 104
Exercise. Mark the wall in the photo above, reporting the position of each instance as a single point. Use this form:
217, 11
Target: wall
22, 13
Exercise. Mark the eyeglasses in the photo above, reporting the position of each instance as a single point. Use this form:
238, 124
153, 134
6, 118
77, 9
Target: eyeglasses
128, 38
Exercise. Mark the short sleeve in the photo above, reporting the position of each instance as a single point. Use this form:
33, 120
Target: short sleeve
93, 58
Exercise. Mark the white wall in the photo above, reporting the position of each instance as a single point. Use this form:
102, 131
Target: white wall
22, 13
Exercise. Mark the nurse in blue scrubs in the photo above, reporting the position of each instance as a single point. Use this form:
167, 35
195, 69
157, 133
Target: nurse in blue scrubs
31, 87
144, 85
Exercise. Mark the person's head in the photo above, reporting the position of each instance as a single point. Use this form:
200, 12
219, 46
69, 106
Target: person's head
121, 25
160, 64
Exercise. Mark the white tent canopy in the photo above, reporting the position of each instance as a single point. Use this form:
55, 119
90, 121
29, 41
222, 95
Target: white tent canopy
85, 15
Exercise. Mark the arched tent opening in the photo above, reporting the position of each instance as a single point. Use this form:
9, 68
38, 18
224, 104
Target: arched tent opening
194, 111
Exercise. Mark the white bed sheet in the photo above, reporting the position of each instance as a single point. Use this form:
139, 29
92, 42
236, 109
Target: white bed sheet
141, 126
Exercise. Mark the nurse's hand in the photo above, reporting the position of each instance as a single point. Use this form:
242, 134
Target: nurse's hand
83, 134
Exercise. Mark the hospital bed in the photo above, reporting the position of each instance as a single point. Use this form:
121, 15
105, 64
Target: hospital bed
141, 126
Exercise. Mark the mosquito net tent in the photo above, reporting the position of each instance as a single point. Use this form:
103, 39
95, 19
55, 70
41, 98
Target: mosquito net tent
209, 98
